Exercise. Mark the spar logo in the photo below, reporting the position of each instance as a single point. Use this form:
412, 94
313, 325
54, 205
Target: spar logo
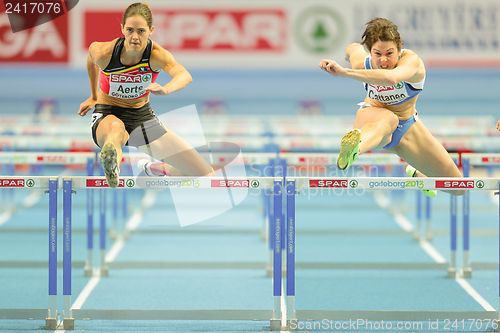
460, 184
491, 159
382, 88
398, 85
15, 182
52, 159
319, 29
256, 29
126, 78
47, 42
241, 183
319, 160
330, 183
97, 183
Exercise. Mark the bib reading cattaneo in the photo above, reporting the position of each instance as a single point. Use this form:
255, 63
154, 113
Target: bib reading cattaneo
127, 82
392, 95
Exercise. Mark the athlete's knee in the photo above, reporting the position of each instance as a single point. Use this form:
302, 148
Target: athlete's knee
384, 126
211, 172
391, 123
111, 123
116, 126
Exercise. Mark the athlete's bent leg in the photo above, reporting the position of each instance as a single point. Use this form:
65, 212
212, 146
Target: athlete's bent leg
111, 137
376, 125
373, 128
425, 153
179, 154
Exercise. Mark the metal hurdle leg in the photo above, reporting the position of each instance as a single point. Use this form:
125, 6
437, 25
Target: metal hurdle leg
428, 222
452, 268
102, 233
498, 311
271, 224
290, 255
113, 231
275, 322
124, 213
51, 320
265, 206
282, 172
416, 232
88, 269
68, 320
466, 269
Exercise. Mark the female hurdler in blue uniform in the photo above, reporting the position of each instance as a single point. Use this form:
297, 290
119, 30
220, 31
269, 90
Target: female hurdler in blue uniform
393, 77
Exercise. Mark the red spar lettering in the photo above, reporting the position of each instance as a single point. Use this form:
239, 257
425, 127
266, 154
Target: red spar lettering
229, 30
121, 78
102, 183
333, 183
455, 184
11, 182
230, 183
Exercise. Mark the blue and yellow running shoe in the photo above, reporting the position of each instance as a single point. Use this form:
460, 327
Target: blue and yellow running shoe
412, 172
109, 163
349, 149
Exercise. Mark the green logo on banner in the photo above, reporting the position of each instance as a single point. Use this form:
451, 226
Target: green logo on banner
319, 30
254, 183
479, 184
130, 183
353, 183
30, 183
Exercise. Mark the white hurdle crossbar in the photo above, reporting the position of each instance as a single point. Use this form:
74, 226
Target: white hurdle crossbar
372, 183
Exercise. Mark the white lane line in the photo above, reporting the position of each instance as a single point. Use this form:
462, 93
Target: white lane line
118, 245
474, 294
439, 258
147, 201
403, 222
87, 290
59, 330
384, 202
432, 252
32, 199
494, 197
6, 215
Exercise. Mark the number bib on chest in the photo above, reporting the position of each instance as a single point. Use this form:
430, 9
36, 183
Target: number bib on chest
129, 86
388, 95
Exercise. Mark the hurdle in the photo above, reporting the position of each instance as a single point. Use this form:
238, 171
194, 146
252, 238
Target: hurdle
471, 160
60, 159
461, 129
366, 183
72, 184
50, 184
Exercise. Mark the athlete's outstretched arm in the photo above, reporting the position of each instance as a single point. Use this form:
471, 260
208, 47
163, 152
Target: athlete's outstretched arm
355, 53
93, 74
164, 60
406, 69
